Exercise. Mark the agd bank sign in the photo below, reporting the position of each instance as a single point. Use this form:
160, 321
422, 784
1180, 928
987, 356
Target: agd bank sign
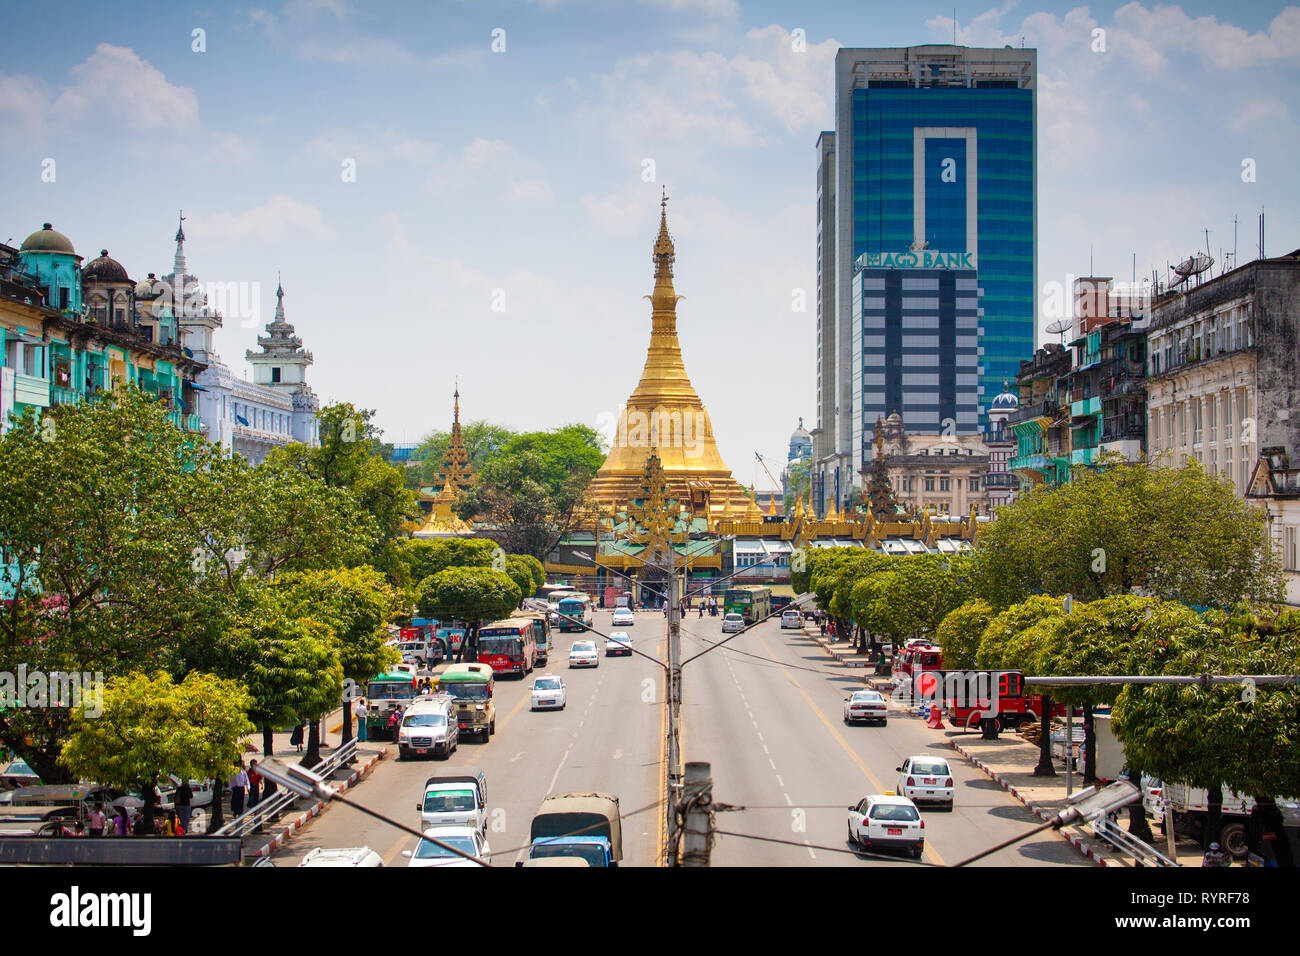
918, 259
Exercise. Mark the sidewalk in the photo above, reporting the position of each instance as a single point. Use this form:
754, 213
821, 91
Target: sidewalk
1010, 760
844, 651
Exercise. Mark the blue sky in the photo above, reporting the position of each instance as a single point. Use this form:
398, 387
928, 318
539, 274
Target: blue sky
518, 179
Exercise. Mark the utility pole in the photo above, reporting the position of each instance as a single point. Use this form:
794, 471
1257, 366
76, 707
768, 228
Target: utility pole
697, 807
674, 680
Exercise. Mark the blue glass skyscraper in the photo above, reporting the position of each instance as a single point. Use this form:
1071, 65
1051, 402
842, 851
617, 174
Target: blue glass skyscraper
934, 150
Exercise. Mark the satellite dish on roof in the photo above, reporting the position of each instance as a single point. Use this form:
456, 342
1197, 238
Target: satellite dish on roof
1192, 266
1059, 327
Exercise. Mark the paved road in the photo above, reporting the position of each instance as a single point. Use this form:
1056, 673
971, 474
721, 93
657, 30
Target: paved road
608, 738
777, 744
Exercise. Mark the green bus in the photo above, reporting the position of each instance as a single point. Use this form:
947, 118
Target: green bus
384, 694
752, 602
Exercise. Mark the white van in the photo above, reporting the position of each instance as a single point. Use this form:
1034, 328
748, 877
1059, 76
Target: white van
428, 727
457, 798
342, 856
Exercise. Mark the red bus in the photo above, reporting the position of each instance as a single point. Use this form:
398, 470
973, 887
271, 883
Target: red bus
508, 646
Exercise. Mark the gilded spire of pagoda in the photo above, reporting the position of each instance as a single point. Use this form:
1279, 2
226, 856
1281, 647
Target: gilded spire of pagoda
455, 461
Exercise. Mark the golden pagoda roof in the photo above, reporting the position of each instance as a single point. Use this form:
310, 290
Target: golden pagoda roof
456, 471
665, 414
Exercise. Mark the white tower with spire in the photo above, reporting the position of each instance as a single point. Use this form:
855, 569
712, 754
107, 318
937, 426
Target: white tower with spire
281, 364
195, 320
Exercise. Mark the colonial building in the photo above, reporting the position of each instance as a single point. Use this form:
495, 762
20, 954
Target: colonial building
942, 474
1223, 386
1041, 422
68, 333
243, 417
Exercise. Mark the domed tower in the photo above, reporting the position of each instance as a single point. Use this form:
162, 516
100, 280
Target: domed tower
180, 295
800, 444
107, 292
49, 256
1004, 406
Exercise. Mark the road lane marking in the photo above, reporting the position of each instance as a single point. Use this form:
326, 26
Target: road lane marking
839, 738
781, 782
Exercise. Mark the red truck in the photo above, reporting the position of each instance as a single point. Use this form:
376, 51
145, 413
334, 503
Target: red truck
969, 701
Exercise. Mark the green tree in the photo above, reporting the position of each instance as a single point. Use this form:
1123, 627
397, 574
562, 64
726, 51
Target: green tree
101, 506
425, 557
924, 588
521, 573
537, 568
565, 452
800, 482
960, 631
1176, 533
151, 726
1211, 737
349, 458
516, 494
472, 595
356, 604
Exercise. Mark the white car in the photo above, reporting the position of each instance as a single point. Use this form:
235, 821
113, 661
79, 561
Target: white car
342, 856
618, 643
465, 839
623, 617
866, 705
926, 779
883, 821
791, 619
584, 654
548, 692
733, 623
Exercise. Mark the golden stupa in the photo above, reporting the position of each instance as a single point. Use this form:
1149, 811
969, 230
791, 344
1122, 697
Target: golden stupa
665, 416
455, 476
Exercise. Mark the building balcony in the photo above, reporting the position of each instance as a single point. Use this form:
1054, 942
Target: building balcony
194, 423
1085, 408
31, 390
1046, 410
60, 395
1083, 456
1029, 463
1123, 432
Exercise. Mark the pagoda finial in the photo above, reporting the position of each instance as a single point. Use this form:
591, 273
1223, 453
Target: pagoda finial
456, 396
180, 227
179, 267
279, 299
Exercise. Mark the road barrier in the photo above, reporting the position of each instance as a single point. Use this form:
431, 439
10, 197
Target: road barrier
267, 810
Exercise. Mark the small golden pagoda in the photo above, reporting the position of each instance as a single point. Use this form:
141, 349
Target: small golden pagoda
455, 476
665, 415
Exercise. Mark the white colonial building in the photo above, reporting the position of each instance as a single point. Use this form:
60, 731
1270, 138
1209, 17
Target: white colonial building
243, 417
1223, 381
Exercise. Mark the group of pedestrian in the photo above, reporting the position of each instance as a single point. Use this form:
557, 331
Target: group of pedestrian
246, 784
128, 822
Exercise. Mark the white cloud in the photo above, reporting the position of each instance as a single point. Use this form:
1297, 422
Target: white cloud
710, 98
116, 82
490, 164
1149, 37
23, 103
372, 147
1264, 112
280, 219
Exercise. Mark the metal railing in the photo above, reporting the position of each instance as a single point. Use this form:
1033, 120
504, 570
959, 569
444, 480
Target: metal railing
1121, 839
269, 809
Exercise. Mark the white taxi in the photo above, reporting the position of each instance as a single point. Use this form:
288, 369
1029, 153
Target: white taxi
584, 654
884, 821
866, 705
548, 692
466, 839
618, 644
926, 780
623, 617
732, 624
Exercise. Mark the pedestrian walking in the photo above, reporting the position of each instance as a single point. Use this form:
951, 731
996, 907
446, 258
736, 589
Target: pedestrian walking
238, 784
359, 712
183, 801
822, 622
121, 824
395, 722
97, 820
295, 738
254, 784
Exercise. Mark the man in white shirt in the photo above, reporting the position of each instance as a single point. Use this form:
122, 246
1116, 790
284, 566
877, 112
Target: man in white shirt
359, 712
238, 787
